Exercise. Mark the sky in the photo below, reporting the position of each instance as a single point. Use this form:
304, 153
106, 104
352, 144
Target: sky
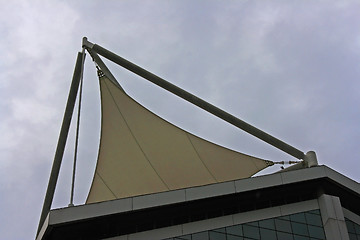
290, 68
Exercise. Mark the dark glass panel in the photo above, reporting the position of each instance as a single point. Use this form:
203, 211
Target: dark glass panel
222, 230
255, 224
296, 237
316, 211
200, 236
350, 226
217, 235
357, 228
187, 237
251, 232
313, 219
284, 217
235, 230
298, 217
267, 234
231, 237
282, 225
352, 236
316, 232
284, 236
267, 223
299, 228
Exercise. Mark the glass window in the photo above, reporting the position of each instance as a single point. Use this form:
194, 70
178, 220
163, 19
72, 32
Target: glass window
298, 217
296, 237
235, 230
313, 219
284, 236
316, 232
200, 236
267, 234
357, 228
300, 226
350, 226
187, 237
251, 232
268, 223
222, 230
231, 237
217, 235
352, 236
353, 229
282, 225
299, 229
256, 223
316, 211
284, 218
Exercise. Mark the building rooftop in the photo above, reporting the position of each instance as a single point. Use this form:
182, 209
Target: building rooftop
197, 203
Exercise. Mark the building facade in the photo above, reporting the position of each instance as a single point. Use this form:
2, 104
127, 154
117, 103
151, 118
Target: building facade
310, 203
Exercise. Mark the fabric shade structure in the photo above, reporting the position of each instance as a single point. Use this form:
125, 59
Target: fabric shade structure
141, 153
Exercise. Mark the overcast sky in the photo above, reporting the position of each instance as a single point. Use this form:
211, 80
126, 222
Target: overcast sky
291, 68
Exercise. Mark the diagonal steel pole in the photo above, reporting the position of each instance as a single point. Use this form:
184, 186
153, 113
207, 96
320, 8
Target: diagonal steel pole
62, 139
194, 100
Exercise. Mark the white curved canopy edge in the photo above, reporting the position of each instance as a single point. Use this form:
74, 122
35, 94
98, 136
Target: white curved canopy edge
141, 153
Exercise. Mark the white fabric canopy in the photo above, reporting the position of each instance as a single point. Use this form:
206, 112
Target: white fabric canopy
141, 153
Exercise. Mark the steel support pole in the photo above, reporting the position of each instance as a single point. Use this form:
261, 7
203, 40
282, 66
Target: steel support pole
62, 139
195, 100
71, 204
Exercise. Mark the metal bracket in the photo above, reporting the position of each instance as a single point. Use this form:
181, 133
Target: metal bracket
86, 43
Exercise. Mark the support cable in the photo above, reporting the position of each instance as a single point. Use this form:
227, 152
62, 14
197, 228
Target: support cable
287, 162
77, 135
61, 141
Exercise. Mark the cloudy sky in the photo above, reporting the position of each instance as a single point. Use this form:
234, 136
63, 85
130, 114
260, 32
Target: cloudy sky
291, 68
